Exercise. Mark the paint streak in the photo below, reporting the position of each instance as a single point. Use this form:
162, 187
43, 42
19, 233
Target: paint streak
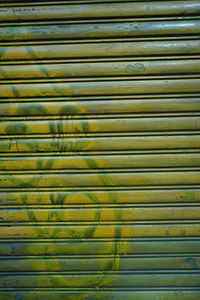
18, 297
191, 262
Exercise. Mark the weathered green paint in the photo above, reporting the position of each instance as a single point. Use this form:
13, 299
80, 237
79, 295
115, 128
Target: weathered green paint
101, 263
99, 213
189, 279
21, 144
81, 107
138, 246
100, 88
80, 70
100, 30
89, 11
99, 50
99, 180
67, 125
101, 295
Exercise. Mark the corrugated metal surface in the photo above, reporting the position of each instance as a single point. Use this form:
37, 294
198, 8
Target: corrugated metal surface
99, 182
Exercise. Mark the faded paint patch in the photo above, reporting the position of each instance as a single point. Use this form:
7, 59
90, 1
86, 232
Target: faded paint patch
191, 262
135, 68
18, 297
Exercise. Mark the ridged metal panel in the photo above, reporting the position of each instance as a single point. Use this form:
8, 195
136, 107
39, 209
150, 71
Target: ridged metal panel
99, 150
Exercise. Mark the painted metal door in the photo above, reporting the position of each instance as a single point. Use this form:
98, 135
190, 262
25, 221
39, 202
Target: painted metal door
99, 182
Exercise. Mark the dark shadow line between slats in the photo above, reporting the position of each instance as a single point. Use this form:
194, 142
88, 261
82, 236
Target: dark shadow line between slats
98, 40
108, 273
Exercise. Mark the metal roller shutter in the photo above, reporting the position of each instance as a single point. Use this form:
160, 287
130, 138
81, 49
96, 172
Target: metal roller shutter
99, 181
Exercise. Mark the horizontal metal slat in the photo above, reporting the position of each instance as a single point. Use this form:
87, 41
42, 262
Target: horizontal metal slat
99, 171
103, 223
100, 179
99, 143
102, 40
47, 2
185, 294
50, 99
98, 214
110, 280
111, 116
100, 30
99, 197
100, 162
99, 264
101, 20
100, 79
100, 11
40, 231
91, 60
100, 88
70, 125
7, 3
120, 49
79, 247
190, 104
101, 69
